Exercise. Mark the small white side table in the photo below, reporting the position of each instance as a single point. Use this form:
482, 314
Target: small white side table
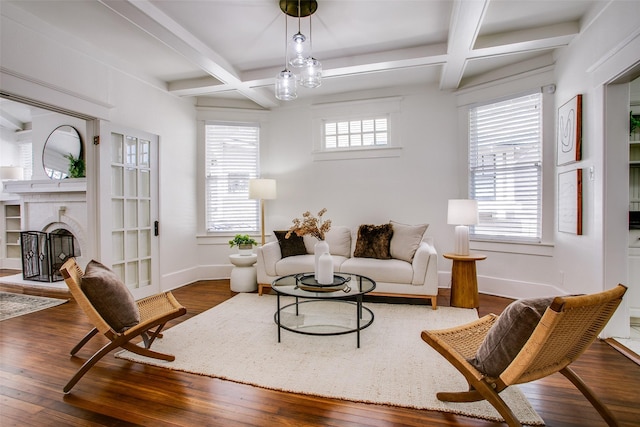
243, 275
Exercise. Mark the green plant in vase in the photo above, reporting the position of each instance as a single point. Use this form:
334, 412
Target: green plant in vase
244, 242
76, 166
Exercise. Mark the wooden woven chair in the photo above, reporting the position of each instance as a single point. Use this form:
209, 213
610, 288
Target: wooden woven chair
155, 311
565, 331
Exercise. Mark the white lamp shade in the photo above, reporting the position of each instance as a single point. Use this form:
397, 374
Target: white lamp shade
263, 189
462, 212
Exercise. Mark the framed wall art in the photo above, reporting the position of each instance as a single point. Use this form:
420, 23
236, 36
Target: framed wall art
569, 140
570, 202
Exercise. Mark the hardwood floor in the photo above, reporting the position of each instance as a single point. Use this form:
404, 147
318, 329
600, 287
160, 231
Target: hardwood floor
35, 364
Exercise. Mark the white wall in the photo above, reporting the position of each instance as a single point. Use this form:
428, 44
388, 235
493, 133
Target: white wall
609, 47
44, 67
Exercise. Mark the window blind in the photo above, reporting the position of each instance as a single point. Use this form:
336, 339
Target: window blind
505, 168
232, 153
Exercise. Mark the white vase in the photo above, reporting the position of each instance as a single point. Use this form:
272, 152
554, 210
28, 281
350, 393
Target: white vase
325, 269
319, 248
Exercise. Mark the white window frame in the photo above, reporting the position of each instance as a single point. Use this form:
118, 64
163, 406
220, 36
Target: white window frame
354, 111
246, 208
498, 230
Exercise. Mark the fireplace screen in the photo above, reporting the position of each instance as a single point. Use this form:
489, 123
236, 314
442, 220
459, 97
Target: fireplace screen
44, 253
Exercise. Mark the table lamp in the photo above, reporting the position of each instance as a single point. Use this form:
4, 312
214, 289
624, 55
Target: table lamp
462, 213
262, 189
11, 173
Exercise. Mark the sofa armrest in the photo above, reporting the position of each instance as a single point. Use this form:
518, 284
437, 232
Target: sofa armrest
268, 256
425, 265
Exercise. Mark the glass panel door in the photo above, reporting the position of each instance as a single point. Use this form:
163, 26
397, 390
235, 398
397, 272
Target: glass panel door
132, 243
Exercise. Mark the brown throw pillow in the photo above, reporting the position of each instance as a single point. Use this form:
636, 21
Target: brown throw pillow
373, 241
294, 245
509, 334
110, 297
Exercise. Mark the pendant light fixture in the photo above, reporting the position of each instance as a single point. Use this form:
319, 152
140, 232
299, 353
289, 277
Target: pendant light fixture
311, 74
286, 85
298, 52
299, 46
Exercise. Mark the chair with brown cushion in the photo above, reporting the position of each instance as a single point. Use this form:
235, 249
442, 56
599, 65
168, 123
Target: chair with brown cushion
565, 330
119, 317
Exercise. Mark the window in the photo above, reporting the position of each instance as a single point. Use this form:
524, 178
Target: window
505, 168
231, 161
355, 133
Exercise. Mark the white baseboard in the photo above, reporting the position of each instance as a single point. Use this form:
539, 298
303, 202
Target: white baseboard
514, 289
189, 275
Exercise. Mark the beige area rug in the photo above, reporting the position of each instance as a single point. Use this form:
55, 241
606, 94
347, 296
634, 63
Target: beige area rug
14, 305
237, 341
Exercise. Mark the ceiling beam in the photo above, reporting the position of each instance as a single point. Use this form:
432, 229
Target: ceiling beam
156, 23
466, 18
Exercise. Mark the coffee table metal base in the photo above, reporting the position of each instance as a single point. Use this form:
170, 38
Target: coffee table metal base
363, 316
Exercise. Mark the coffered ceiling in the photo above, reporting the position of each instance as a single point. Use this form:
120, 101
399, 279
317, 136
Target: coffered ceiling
233, 49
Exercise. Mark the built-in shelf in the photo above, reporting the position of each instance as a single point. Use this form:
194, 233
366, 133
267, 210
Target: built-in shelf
12, 228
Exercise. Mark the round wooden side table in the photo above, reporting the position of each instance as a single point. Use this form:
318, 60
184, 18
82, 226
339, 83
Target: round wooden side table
464, 281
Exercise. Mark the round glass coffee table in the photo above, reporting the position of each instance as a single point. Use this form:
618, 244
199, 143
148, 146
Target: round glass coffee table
316, 309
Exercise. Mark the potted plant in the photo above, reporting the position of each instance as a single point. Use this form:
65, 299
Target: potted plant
76, 166
244, 242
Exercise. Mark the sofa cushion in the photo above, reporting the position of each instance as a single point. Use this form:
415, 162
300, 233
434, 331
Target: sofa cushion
405, 240
380, 270
303, 264
508, 335
338, 239
373, 241
292, 246
110, 297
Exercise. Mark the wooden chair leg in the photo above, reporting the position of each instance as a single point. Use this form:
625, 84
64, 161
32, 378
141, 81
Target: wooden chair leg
142, 351
586, 391
482, 391
460, 396
434, 303
496, 401
88, 364
83, 341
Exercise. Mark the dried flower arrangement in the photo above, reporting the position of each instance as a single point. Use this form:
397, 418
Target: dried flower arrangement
310, 225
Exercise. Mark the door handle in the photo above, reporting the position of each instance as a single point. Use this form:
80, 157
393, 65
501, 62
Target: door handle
156, 228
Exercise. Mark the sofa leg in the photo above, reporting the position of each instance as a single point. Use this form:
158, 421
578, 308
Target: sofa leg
434, 303
261, 286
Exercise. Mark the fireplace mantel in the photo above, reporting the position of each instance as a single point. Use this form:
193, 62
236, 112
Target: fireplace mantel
69, 185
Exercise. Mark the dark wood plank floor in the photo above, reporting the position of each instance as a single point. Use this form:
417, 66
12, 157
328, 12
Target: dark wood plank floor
35, 364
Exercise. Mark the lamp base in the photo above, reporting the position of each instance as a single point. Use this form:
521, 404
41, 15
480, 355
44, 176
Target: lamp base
461, 240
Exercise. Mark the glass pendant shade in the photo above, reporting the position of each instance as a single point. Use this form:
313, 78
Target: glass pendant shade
311, 73
286, 86
299, 49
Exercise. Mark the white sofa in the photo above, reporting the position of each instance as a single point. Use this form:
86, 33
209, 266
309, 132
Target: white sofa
411, 274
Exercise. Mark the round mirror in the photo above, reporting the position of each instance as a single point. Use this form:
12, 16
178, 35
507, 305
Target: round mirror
62, 154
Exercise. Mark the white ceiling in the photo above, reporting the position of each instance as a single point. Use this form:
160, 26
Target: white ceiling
233, 49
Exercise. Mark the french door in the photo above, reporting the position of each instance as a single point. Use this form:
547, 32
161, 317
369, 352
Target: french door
128, 192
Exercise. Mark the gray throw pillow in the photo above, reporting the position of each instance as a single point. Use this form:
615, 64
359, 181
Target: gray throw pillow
292, 246
373, 241
509, 334
110, 297
406, 240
